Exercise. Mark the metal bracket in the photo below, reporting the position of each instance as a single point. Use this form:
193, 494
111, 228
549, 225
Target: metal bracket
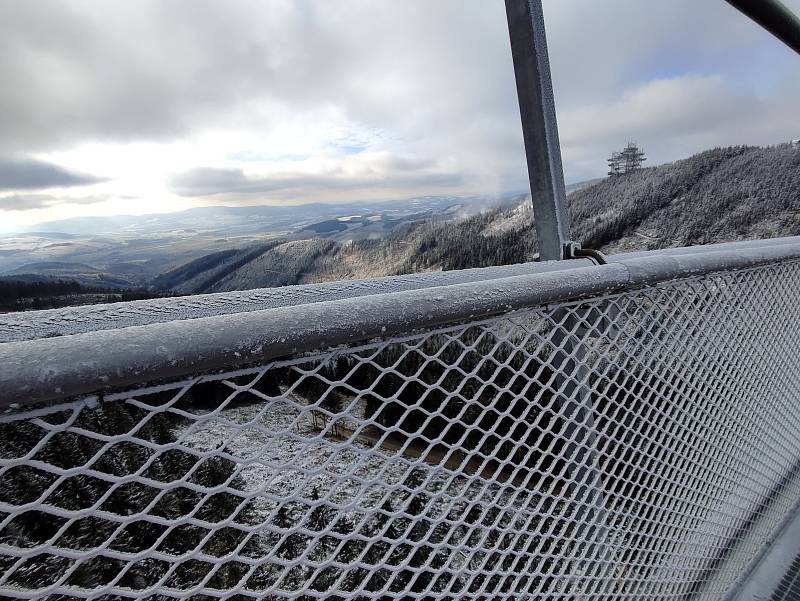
571, 249
576, 252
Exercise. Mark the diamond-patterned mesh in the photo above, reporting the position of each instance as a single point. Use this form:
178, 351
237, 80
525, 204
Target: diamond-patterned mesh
641, 445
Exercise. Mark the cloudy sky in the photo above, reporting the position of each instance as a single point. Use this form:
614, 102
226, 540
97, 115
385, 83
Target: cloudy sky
113, 106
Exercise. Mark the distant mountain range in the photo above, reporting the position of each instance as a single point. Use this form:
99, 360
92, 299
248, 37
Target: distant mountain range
236, 221
128, 250
715, 196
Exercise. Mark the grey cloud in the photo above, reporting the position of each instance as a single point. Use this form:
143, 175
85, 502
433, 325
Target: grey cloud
206, 181
437, 75
675, 118
30, 174
203, 181
115, 71
27, 202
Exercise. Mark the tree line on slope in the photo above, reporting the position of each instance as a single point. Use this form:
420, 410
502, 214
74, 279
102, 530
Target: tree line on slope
21, 295
720, 195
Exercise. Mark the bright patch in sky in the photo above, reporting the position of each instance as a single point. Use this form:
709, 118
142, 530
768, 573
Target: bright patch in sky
115, 107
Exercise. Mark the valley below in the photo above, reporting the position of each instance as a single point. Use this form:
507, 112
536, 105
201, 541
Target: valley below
720, 195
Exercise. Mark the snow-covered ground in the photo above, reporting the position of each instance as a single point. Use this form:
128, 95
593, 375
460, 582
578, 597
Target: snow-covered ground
282, 455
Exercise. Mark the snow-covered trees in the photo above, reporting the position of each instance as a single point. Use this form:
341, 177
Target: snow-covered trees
716, 196
627, 161
719, 195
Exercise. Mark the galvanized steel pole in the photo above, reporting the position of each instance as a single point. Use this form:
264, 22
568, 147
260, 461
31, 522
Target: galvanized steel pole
539, 127
773, 16
551, 218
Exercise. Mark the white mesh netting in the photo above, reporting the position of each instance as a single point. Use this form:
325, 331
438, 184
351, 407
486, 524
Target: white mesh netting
640, 445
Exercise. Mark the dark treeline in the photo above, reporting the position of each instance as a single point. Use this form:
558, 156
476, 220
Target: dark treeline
200, 275
20, 295
193, 268
465, 244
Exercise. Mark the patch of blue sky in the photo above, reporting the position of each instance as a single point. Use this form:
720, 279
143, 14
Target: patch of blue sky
775, 66
772, 61
348, 150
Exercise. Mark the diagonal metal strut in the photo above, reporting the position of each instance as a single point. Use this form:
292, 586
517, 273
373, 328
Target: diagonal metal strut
773, 16
539, 127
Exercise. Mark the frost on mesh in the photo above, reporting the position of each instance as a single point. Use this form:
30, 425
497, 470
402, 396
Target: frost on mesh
621, 446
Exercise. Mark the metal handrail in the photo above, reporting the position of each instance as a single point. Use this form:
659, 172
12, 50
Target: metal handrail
639, 418
90, 318
67, 366
66, 321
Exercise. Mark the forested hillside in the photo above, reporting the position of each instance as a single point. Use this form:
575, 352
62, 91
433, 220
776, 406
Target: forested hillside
22, 294
719, 195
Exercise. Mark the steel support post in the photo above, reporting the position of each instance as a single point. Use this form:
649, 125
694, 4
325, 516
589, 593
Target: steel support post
551, 218
584, 486
773, 16
539, 127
